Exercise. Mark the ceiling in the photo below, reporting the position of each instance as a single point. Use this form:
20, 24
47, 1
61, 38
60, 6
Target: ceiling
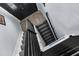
20, 10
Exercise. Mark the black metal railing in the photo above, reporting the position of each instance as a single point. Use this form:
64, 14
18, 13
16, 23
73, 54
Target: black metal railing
31, 46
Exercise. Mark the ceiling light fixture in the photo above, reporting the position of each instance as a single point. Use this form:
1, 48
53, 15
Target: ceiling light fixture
12, 6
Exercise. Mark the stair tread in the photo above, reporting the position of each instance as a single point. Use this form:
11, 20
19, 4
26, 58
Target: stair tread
45, 22
45, 29
50, 41
49, 34
42, 26
49, 37
45, 32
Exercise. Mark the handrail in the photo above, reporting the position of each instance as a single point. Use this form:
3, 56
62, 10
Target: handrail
51, 27
31, 44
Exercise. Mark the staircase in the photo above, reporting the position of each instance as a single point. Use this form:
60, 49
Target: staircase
30, 42
46, 32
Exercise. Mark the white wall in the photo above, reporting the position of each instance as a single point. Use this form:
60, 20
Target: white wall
9, 33
64, 17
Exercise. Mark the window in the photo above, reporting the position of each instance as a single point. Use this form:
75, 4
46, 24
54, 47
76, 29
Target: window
2, 20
